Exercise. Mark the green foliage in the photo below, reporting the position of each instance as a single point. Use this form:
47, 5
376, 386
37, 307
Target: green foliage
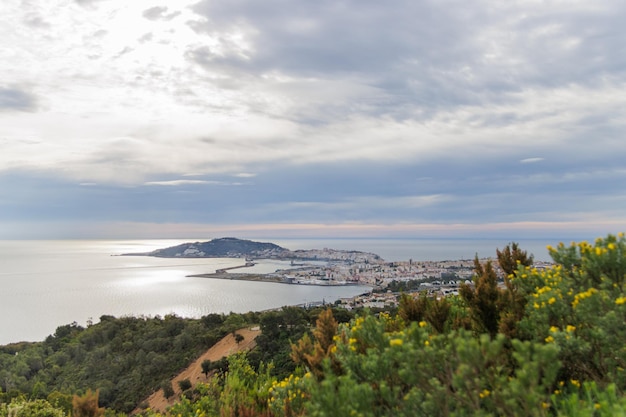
32, 408
579, 306
434, 311
511, 257
167, 388
278, 330
483, 298
313, 353
591, 401
417, 372
184, 384
206, 367
125, 358
60, 400
240, 392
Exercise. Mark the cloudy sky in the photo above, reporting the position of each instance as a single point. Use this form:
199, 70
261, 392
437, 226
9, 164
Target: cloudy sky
444, 118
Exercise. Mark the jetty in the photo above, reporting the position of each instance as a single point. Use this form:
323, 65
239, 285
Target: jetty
223, 270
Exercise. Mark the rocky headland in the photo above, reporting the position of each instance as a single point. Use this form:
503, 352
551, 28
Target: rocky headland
230, 247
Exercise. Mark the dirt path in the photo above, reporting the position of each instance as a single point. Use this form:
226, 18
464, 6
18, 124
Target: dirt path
224, 347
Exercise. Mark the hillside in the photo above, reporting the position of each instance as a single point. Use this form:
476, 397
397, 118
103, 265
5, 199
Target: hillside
225, 347
230, 247
226, 247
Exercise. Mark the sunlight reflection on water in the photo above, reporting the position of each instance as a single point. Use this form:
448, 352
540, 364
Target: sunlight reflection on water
152, 278
45, 284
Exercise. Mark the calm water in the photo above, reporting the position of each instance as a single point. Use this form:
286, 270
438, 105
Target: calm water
45, 284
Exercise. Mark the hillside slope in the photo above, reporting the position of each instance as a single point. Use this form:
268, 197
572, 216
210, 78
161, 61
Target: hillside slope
193, 372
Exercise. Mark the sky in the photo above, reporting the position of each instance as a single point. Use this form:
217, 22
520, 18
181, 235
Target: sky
343, 118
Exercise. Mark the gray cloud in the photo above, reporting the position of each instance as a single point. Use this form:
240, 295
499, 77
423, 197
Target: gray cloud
17, 99
422, 54
87, 3
159, 13
36, 21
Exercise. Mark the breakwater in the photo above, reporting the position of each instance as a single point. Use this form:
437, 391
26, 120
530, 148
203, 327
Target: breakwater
246, 265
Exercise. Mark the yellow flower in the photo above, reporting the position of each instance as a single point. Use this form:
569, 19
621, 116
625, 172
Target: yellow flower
598, 251
570, 328
395, 342
620, 301
575, 383
545, 405
423, 324
333, 349
554, 329
426, 343
484, 393
611, 246
552, 300
549, 339
597, 406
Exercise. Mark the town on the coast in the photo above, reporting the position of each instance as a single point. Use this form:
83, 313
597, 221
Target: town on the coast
388, 280
329, 267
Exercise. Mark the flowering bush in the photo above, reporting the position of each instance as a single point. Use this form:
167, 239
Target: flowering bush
578, 305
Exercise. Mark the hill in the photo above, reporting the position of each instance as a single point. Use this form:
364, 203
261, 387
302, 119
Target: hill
230, 247
226, 247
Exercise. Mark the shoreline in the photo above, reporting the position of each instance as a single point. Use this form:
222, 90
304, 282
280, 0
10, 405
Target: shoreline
268, 278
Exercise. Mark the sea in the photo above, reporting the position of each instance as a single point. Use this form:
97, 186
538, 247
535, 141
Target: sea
49, 283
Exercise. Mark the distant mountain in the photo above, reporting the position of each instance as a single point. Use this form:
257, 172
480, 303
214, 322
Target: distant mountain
230, 247
226, 247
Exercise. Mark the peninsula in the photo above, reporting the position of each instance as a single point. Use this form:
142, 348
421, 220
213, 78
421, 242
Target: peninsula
230, 247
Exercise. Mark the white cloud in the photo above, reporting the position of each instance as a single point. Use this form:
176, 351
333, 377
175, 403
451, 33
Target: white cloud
175, 183
531, 160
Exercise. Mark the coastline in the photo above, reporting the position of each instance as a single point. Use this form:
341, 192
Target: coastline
237, 277
269, 278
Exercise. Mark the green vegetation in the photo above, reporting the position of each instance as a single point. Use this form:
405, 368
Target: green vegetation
546, 343
124, 358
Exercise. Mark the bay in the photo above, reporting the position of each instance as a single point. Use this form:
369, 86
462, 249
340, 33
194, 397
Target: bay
45, 284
